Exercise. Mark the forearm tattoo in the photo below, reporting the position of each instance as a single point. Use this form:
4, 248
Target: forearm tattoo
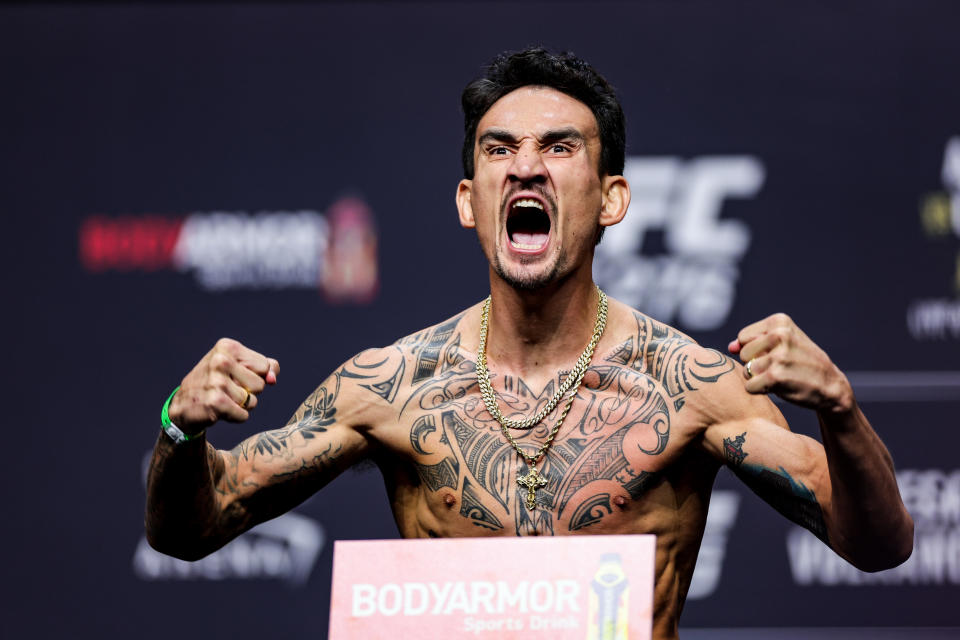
777, 487
305, 463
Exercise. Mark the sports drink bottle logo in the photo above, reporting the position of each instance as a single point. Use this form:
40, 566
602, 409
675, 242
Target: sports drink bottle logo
609, 601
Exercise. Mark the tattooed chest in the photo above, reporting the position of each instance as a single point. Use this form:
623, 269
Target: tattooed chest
626, 428
594, 477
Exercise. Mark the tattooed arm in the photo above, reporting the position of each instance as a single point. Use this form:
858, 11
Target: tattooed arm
198, 498
844, 490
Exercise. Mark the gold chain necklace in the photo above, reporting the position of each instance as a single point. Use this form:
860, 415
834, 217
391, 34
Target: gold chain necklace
533, 480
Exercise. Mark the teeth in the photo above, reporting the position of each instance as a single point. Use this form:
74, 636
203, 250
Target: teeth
528, 202
528, 247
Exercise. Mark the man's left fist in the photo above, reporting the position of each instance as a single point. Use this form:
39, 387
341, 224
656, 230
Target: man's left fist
781, 359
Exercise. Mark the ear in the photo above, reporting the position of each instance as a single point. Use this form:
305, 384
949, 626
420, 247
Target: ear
616, 200
464, 205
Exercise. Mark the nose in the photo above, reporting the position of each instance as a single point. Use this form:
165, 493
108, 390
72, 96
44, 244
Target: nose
527, 165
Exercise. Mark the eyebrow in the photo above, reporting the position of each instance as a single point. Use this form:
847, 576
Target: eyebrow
553, 135
496, 135
558, 135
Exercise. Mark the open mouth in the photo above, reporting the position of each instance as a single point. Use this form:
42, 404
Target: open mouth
528, 225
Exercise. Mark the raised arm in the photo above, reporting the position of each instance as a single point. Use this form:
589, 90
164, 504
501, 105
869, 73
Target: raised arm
844, 490
198, 498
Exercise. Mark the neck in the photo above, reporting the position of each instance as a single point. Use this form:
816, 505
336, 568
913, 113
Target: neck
535, 334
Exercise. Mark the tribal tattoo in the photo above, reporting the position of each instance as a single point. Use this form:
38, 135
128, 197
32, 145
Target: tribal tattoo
623, 417
660, 352
372, 371
613, 451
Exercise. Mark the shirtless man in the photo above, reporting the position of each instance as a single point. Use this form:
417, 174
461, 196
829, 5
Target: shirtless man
632, 448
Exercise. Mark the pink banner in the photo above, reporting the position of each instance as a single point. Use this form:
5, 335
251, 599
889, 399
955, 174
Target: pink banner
583, 587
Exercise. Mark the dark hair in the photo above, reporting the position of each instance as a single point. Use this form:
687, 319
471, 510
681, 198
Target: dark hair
564, 72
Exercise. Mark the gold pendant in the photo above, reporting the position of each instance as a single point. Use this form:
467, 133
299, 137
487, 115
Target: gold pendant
531, 482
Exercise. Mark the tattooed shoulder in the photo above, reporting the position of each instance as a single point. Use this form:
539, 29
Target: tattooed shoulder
433, 350
670, 357
379, 372
374, 375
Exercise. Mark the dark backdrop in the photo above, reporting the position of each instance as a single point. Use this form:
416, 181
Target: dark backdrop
816, 135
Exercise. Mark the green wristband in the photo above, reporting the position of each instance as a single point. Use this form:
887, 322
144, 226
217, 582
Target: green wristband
171, 429
164, 415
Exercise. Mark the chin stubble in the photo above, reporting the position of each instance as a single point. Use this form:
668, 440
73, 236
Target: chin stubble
528, 282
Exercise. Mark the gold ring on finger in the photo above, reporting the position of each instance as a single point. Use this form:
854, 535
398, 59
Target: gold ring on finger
749, 369
246, 398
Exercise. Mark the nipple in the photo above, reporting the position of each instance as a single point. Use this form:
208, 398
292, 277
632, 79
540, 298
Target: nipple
450, 500
620, 501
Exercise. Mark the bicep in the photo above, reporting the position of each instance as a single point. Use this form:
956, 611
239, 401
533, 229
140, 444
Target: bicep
786, 469
271, 472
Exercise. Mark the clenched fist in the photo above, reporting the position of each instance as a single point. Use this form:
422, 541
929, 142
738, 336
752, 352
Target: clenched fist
223, 385
781, 359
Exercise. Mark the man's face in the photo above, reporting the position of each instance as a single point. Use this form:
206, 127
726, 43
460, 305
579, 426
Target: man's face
536, 194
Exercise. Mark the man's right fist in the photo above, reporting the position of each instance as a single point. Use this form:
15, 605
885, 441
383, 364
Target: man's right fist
223, 385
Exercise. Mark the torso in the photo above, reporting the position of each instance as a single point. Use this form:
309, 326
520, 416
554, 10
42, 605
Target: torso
625, 460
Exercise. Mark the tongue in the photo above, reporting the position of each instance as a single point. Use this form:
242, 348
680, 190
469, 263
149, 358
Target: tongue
529, 239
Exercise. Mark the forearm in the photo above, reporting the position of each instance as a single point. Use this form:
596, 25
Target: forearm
183, 515
867, 522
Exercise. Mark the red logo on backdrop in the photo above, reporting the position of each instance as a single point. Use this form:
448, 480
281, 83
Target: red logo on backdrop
225, 250
128, 243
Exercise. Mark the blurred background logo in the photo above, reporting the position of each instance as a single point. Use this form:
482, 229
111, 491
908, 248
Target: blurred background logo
230, 250
672, 255
939, 318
